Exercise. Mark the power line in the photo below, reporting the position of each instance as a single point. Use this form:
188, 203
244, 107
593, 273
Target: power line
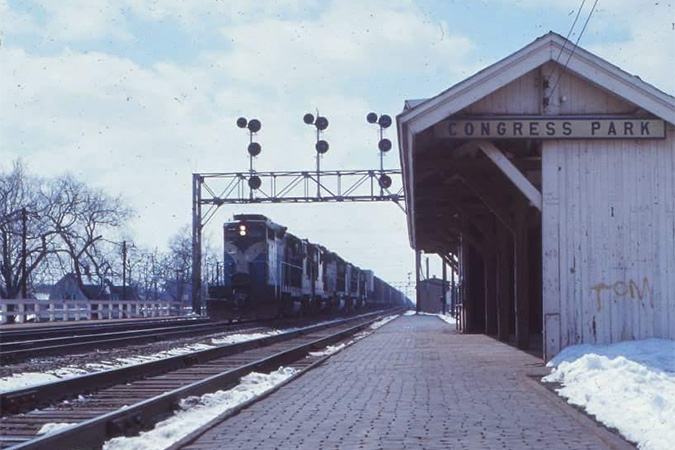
574, 48
568, 36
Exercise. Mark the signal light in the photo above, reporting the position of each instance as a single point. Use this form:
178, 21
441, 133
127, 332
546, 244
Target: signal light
321, 146
385, 121
254, 125
384, 145
385, 181
308, 118
242, 122
254, 149
254, 182
321, 123
371, 117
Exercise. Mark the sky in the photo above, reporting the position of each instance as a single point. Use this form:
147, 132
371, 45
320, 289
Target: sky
134, 96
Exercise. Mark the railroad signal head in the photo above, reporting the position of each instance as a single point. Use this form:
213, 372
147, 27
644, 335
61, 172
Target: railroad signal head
242, 122
308, 118
254, 125
321, 123
384, 121
384, 145
371, 117
254, 183
321, 146
254, 149
385, 181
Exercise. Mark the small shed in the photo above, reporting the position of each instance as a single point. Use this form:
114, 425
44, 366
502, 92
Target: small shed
550, 178
432, 294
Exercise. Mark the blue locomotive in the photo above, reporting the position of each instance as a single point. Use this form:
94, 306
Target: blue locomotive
269, 272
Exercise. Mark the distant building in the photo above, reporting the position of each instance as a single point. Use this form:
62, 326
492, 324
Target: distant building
431, 294
67, 288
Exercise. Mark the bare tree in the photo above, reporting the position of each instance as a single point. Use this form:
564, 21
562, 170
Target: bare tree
26, 239
79, 215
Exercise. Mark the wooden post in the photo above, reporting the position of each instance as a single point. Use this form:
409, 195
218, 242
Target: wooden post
453, 293
444, 288
418, 294
490, 266
503, 284
522, 283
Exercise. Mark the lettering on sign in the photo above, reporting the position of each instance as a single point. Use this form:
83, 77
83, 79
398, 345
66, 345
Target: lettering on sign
551, 128
627, 289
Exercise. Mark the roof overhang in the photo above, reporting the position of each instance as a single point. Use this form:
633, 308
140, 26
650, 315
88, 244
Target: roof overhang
419, 115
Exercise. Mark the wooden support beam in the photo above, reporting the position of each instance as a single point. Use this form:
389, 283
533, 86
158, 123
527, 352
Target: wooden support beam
512, 172
521, 246
497, 209
504, 286
490, 279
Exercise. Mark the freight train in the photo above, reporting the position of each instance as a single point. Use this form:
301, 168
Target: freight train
268, 272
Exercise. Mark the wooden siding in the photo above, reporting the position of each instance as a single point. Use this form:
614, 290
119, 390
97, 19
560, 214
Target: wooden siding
608, 241
521, 96
525, 96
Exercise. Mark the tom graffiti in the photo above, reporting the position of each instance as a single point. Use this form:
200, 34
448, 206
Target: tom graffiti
627, 289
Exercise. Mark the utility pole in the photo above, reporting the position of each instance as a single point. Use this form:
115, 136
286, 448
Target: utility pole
124, 270
24, 236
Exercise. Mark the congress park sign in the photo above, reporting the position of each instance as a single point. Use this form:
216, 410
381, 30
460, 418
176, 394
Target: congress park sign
551, 128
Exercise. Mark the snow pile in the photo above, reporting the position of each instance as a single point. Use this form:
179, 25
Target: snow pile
447, 318
329, 350
236, 338
53, 427
27, 379
629, 386
382, 322
197, 411
409, 312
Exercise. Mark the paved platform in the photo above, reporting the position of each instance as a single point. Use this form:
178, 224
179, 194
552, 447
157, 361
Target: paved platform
415, 384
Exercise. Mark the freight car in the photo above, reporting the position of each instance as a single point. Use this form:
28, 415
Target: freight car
268, 272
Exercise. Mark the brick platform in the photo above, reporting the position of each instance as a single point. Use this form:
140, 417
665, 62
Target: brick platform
414, 384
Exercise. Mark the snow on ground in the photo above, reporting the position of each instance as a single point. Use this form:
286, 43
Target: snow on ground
329, 350
444, 317
629, 386
27, 379
447, 318
54, 426
197, 411
382, 322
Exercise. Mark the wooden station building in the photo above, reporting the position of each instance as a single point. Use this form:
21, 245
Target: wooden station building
547, 182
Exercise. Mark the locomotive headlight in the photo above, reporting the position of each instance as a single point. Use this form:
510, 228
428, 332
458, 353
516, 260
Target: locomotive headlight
242, 230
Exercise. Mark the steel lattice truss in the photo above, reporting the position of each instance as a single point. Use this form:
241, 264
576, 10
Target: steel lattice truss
212, 190
298, 187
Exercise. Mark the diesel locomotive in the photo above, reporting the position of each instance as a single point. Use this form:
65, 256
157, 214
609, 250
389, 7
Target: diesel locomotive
268, 272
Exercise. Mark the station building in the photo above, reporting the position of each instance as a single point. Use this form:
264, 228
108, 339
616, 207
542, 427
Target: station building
547, 182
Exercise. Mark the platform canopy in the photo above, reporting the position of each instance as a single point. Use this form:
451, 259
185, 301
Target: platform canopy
546, 182
528, 75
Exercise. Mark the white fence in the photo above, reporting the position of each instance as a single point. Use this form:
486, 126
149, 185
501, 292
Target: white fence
21, 311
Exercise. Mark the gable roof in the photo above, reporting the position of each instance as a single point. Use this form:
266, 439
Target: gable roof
419, 115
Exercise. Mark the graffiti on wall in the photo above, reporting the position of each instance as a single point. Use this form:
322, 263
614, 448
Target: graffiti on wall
629, 289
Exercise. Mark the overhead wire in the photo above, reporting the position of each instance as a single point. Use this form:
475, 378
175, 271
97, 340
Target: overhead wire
576, 43
583, 2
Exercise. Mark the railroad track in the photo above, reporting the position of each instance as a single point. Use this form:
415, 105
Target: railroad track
29, 333
17, 345
126, 400
21, 350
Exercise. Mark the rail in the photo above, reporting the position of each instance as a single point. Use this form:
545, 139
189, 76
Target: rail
22, 311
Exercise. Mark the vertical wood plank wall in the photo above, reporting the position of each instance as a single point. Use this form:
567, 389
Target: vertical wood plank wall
608, 241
